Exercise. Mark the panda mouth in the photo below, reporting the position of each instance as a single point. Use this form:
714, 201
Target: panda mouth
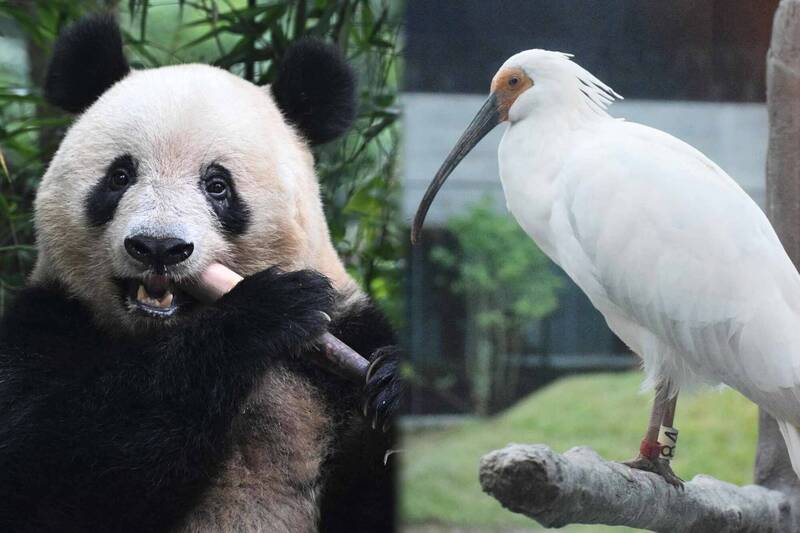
155, 296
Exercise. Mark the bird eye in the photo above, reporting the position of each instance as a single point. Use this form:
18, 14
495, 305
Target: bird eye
118, 179
513, 81
217, 188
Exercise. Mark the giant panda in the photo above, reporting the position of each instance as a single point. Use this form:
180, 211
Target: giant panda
127, 405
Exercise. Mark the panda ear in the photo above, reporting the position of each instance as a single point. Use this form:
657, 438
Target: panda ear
316, 90
87, 59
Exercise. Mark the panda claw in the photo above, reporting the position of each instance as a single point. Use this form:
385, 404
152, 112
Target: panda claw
382, 389
374, 365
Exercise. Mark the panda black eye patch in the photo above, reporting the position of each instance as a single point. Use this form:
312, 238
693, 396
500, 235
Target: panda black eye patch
232, 213
108, 191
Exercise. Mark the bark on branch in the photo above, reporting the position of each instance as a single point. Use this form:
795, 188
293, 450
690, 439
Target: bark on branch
581, 487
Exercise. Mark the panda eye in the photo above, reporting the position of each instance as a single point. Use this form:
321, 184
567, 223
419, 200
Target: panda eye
118, 179
217, 188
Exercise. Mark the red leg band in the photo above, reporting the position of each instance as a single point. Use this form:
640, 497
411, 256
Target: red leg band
650, 450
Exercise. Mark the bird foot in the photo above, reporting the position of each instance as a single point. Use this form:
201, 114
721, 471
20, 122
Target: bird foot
657, 466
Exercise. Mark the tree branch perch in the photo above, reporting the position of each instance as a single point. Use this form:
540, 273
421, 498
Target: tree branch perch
581, 487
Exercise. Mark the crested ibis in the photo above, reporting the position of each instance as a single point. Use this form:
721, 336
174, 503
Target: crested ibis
681, 262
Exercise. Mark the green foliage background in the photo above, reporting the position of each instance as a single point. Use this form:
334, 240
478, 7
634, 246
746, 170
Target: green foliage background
248, 37
506, 282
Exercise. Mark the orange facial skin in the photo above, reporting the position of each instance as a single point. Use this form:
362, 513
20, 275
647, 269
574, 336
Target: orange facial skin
507, 85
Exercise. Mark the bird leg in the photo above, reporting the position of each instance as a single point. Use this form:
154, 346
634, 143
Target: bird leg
664, 460
669, 412
650, 459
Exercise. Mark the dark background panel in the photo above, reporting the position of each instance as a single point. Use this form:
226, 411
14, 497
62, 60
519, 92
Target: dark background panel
676, 49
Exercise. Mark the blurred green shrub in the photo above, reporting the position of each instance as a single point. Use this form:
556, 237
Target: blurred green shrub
248, 37
506, 282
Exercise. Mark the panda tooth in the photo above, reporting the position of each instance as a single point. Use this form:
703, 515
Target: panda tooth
141, 294
165, 300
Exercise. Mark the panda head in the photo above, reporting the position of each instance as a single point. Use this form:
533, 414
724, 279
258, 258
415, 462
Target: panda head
167, 170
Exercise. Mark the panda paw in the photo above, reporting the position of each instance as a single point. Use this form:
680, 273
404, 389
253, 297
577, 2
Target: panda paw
276, 306
384, 388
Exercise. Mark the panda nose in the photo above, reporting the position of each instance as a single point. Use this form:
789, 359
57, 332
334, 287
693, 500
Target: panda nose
158, 253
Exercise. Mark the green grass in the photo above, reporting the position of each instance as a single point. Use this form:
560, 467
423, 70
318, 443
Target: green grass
439, 482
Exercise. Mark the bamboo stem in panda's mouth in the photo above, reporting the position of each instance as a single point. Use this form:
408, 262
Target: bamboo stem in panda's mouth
339, 357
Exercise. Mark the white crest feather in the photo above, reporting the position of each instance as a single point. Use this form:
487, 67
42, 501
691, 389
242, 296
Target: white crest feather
594, 95
597, 95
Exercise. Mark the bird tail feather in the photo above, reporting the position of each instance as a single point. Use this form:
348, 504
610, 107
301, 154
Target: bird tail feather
791, 436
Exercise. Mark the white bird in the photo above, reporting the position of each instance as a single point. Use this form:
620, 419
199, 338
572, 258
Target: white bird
683, 265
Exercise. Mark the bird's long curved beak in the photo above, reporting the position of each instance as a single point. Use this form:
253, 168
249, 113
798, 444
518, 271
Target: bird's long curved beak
487, 118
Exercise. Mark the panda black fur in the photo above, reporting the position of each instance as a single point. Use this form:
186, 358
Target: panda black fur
119, 417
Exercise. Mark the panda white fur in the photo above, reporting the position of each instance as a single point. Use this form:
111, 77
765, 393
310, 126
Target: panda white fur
127, 405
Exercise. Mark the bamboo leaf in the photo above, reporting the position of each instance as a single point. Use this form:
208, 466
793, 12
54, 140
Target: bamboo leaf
3, 165
206, 36
141, 48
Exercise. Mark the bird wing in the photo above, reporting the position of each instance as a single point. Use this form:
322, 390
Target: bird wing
657, 233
